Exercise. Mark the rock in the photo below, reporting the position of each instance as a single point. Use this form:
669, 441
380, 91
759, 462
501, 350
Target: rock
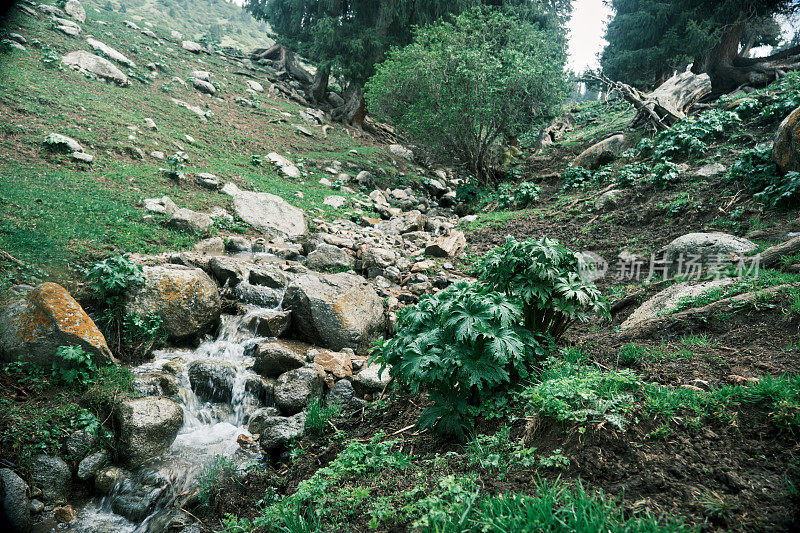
267, 275
326, 257
212, 246
145, 428
286, 167
80, 443
235, 244
401, 151
270, 323
786, 149
706, 248
188, 220
50, 10
270, 214
89, 467
303, 131
212, 379
62, 143
403, 223
150, 34
178, 36
107, 479
608, 200
163, 205
336, 363
36, 506
131, 25
15, 44
191, 46
277, 431
258, 295
208, 180
82, 157
74, 9
186, 299
450, 246
244, 102
601, 153
372, 379
230, 270
193, 108
72, 31
64, 514
365, 179
336, 310
274, 358
52, 475
115, 55
711, 170
341, 393
95, 65
158, 155
15, 500
204, 86
335, 201
669, 298
136, 501
35, 325
296, 388
157, 384
255, 86
375, 260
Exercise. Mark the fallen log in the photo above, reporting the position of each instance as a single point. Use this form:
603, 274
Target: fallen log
772, 255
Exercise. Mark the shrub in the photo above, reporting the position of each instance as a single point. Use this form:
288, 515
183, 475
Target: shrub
758, 171
545, 278
74, 367
630, 174
692, 135
526, 194
461, 86
576, 177
461, 345
664, 174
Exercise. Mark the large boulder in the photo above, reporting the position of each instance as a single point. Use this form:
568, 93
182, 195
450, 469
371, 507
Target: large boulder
296, 388
62, 143
212, 379
269, 213
191, 221
102, 68
75, 10
786, 151
191, 46
145, 428
15, 500
447, 245
276, 431
258, 295
52, 475
705, 249
186, 299
668, 300
328, 257
403, 223
338, 364
372, 379
275, 358
336, 310
204, 86
110, 53
601, 153
90, 466
34, 326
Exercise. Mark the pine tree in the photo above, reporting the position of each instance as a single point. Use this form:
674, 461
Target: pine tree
650, 39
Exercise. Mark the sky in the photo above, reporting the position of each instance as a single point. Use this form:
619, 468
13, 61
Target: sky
586, 30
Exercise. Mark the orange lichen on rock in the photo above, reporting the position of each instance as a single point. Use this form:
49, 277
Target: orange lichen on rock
786, 152
34, 326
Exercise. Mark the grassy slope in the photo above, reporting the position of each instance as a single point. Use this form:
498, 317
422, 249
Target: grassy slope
58, 214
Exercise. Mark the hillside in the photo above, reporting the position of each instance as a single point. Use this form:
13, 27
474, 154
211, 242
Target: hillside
198, 270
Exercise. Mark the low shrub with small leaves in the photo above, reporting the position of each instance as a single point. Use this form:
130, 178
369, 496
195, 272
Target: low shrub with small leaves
664, 174
576, 178
527, 193
629, 174
692, 135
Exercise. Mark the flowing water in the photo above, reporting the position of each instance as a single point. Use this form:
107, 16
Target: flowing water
146, 501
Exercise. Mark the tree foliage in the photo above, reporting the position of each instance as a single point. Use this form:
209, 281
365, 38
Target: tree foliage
650, 39
463, 85
351, 37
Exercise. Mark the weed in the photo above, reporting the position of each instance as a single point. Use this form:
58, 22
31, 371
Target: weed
211, 480
318, 415
74, 367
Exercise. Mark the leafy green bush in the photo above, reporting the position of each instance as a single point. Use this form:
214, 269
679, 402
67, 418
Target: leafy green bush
692, 135
527, 193
756, 169
463, 85
545, 278
576, 178
74, 367
109, 279
664, 174
499, 453
460, 345
629, 174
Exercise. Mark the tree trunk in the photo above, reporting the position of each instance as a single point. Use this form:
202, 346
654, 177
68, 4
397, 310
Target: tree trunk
728, 70
318, 92
354, 109
284, 59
